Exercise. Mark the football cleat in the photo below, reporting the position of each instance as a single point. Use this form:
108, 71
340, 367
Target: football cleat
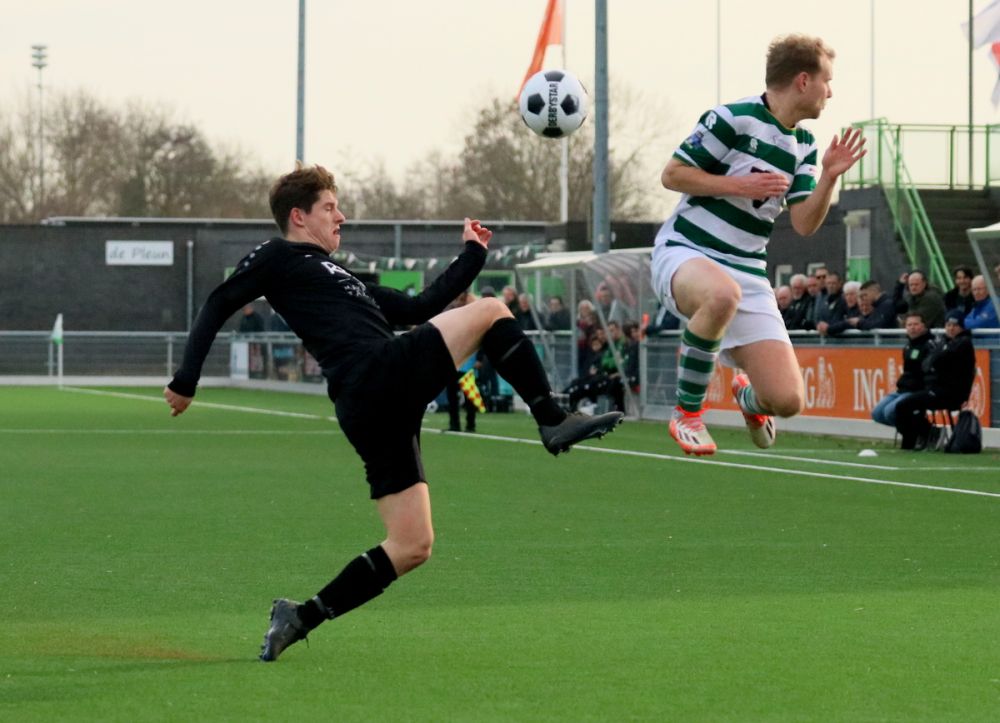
761, 426
690, 433
577, 427
285, 629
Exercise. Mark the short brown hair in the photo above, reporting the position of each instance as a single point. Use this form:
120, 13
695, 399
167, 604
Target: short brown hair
789, 55
299, 189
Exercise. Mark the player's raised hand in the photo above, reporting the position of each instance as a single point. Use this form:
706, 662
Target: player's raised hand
844, 152
761, 186
178, 403
475, 231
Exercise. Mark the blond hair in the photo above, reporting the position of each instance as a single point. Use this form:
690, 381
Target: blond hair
789, 55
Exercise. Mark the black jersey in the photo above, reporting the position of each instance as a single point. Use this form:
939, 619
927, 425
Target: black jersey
334, 313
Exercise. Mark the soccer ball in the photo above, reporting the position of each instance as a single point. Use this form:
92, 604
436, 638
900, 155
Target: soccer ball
553, 103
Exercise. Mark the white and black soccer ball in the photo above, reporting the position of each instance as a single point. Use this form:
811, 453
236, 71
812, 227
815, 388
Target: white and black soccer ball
553, 103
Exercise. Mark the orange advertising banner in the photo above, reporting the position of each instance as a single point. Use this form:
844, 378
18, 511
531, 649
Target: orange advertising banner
842, 382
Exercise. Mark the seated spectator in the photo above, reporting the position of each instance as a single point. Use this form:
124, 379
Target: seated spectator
801, 306
914, 296
949, 371
960, 295
558, 316
817, 290
877, 311
983, 314
251, 322
919, 344
524, 315
601, 376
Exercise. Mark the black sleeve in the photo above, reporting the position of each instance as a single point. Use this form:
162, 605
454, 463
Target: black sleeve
249, 281
402, 309
883, 317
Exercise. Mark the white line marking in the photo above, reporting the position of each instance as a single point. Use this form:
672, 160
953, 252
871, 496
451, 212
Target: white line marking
811, 460
199, 432
598, 450
207, 405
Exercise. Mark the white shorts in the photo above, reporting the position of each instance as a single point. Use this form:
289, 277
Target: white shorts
757, 316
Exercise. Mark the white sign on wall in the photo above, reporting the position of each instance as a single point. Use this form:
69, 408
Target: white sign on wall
139, 253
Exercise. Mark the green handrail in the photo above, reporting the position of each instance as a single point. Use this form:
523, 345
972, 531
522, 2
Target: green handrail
908, 213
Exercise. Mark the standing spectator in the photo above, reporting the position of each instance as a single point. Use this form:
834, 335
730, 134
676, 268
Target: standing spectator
509, 296
455, 395
949, 372
832, 307
983, 314
604, 301
881, 316
851, 289
919, 345
960, 295
798, 316
819, 298
586, 322
558, 316
251, 322
783, 296
524, 315
914, 296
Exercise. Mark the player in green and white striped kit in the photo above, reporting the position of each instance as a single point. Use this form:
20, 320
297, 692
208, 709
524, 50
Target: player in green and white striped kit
742, 164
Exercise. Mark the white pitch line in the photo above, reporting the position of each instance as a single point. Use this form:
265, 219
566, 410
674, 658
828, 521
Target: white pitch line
199, 432
736, 465
811, 460
597, 450
207, 405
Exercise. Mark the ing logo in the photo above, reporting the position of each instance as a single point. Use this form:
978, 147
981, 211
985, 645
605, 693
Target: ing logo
820, 385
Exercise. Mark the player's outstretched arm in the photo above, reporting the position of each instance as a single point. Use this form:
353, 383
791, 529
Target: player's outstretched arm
841, 155
402, 309
178, 402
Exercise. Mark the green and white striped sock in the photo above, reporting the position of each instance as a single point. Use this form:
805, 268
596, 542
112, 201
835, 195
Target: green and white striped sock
694, 370
747, 399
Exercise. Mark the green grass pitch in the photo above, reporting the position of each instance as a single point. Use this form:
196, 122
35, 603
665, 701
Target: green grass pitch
140, 554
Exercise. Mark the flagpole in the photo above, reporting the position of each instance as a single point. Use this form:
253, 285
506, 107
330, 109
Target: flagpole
564, 143
970, 93
602, 211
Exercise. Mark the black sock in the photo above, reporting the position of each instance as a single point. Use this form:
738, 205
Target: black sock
513, 356
364, 578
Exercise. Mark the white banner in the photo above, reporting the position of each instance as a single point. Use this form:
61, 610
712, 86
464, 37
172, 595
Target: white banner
139, 253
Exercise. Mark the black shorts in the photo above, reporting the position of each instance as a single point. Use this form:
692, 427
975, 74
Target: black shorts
381, 405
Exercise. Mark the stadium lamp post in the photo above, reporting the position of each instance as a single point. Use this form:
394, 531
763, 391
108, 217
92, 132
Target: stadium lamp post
300, 144
39, 58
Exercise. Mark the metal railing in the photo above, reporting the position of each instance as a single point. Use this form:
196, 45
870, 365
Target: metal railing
885, 167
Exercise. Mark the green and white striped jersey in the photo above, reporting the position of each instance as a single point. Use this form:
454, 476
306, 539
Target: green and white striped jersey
734, 140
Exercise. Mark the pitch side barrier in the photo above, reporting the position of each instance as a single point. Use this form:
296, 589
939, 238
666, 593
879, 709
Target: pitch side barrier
844, 377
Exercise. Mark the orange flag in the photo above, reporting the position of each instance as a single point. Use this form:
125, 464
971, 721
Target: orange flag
550, 34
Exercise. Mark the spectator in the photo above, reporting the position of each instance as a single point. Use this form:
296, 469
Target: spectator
919, 344
632, 341
251, 322
949, 371
832, 307
960, 295
798, 316
851, 289
586, 322
914, 296
880, 315
558, 316
604, 301
488, 292
509, 296
783, 296
983, 314
524, 315
819, 298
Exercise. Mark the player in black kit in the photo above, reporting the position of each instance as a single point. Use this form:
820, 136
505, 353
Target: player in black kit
346, 325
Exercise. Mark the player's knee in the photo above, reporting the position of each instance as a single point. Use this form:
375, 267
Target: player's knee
418, 551
723, 299
788, 403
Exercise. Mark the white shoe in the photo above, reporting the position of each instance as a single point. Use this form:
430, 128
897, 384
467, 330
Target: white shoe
760, 426
690, 433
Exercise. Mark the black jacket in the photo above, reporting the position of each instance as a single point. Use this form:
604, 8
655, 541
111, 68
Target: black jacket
950, 370
914, 354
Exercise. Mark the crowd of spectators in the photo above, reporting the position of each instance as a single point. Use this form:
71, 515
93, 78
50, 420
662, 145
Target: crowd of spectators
821, 302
